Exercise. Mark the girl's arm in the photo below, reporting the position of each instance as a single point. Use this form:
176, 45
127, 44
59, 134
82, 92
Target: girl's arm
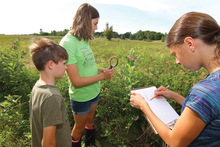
170, 94
77, 81
100, 70
49, 134
187, 128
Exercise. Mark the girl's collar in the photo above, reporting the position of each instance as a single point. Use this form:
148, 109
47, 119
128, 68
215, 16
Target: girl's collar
218, 70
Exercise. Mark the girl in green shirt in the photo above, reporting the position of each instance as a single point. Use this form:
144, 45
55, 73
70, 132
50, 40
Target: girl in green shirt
83, 74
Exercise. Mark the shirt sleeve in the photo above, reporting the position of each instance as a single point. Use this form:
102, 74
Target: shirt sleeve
200, 101
52, 111
71, 49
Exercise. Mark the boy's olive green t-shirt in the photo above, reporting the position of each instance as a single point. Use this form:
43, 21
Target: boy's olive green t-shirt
80, 53
47, 108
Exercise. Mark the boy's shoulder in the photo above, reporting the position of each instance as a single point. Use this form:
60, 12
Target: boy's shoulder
46, 90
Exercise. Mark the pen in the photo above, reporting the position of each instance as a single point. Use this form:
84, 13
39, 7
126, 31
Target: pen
162, 90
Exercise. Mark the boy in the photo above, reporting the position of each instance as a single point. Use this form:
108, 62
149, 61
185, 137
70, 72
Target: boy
48, 116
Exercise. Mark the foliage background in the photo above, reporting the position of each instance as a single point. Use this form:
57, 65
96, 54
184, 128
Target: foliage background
117, 123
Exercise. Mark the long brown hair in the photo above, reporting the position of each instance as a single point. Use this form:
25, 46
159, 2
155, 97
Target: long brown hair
82, 26
196, 25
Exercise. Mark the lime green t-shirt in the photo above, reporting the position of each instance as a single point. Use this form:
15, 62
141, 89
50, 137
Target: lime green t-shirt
80, 53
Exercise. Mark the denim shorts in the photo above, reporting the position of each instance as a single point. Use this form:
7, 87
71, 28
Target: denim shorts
81, 108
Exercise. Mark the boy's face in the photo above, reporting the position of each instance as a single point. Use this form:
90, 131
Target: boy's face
59, 69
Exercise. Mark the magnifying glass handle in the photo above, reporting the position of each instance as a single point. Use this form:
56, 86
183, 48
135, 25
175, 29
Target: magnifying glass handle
110, 67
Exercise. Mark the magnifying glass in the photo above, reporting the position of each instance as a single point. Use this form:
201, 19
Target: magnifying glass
113, 62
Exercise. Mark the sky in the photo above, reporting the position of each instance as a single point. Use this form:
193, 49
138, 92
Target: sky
29, 16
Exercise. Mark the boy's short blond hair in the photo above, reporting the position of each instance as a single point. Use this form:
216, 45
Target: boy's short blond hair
44, 50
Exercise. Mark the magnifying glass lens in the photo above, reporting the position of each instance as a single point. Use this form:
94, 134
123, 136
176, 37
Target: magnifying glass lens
114, 62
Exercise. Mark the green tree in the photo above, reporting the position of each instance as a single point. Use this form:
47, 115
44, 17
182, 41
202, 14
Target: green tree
131, 37
53, 33
122, 36
108, 32
116, 35
162, 39
62, 33
127, 34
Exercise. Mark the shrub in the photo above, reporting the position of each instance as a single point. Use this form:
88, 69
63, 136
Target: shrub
119, 123
16, 82
108, 32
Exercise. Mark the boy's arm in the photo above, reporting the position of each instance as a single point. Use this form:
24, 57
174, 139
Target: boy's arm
49, 139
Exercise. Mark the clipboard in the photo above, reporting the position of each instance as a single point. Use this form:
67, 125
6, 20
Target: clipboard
160, 107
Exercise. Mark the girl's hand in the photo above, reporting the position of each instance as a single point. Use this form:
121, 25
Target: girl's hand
167, 93
137, 101
101, 70
108, 73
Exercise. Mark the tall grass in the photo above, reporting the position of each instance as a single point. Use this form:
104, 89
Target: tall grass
117, 123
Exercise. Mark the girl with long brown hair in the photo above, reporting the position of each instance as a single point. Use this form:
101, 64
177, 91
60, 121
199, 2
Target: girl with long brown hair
83, 74
195, 42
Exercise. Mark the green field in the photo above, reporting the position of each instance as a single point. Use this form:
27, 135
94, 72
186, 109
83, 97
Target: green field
117, 123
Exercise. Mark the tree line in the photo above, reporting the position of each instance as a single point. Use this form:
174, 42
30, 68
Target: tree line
52, 33
140, 35
109, 33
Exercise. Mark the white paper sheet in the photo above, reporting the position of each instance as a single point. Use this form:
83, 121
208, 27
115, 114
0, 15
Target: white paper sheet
161, 108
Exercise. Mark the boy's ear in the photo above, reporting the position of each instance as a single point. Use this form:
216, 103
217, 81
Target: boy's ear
190, 43
50, 64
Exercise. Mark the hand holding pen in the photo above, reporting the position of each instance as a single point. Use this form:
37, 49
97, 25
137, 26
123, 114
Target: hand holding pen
161, 90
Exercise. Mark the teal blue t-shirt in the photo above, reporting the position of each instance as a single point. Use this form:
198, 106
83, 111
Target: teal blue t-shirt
204, 99
80, 53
